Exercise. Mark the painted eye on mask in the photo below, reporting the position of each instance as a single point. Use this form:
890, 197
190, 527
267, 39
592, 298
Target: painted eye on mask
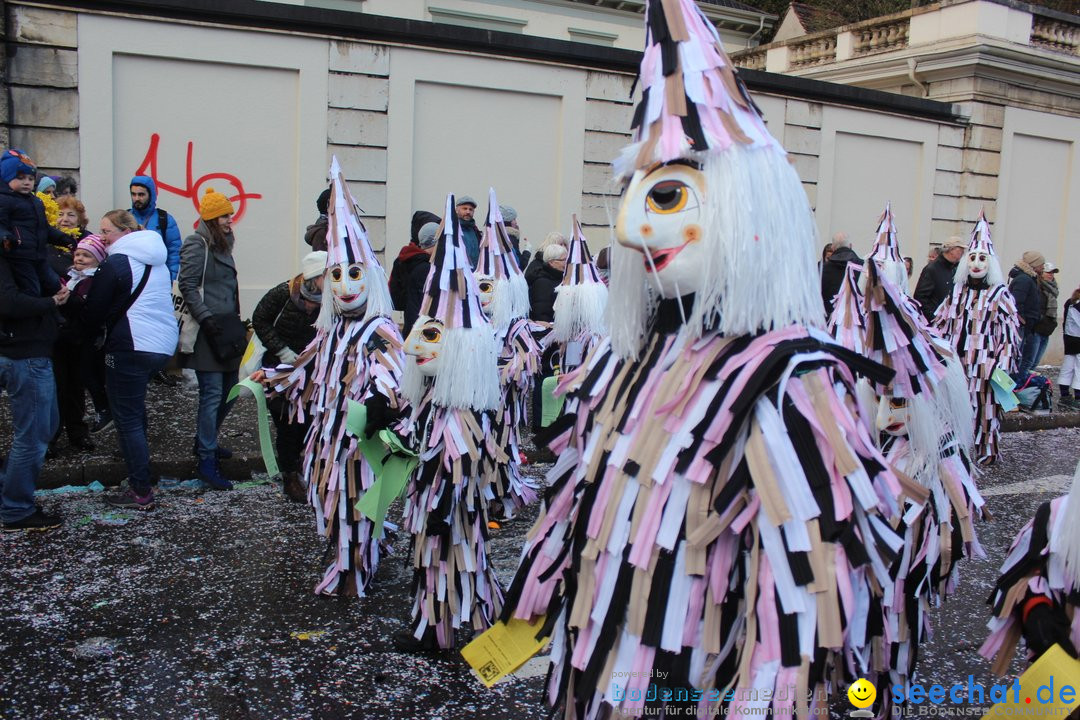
486, 286
354, 272
431, 334
335, 274
897, 403
667, 197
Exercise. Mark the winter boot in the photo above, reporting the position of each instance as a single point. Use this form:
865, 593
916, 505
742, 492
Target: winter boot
294, 487
210, 473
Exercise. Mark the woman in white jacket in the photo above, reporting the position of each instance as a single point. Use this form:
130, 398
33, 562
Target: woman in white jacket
132, 299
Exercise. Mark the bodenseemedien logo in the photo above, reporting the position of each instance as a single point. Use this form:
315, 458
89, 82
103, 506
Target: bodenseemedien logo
862, 694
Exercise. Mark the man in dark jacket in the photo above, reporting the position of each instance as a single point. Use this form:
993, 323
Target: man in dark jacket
936, 279
1024, 286
470, 234
833, 269
398, 274
414, 268
543, 285
28, 327
315, 235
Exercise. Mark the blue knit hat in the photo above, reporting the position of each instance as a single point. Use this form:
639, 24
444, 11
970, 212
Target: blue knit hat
14, 162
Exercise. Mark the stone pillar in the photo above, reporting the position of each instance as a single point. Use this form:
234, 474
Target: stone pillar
42, 77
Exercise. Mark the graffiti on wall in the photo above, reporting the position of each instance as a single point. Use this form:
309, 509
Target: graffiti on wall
193, 185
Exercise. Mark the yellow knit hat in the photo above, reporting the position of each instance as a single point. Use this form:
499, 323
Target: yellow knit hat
214, 205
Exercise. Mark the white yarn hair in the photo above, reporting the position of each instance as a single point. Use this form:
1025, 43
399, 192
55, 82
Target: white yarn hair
1065, 536
925, 428
468, 375
378, 299
954, 403
509, 301
994, 276
579, 309
413, 382
756, 218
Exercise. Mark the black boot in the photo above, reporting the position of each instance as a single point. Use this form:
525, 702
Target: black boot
293, 487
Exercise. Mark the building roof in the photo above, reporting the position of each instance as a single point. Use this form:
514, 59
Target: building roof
734, 5
815, 19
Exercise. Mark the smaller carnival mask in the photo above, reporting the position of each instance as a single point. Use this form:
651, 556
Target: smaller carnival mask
978, 264
425, 344
892, 416
660, 217
487, 291
348, 283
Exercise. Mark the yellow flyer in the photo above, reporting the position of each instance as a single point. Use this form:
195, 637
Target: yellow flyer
503, 648
1050, 688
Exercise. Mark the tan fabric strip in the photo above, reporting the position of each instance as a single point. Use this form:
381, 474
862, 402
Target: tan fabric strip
757, 458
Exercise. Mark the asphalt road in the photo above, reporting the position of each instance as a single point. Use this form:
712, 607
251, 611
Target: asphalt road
204, 609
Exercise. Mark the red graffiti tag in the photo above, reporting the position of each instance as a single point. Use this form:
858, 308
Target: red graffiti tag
191, 190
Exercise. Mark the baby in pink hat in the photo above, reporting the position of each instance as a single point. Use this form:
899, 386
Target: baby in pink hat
88, 255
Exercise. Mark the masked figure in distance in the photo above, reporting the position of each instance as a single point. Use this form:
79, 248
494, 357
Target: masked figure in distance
452, 383
925, 421
1037, 596
504, 296
356, 355
718, 516
580, 302
979, 319
847, 324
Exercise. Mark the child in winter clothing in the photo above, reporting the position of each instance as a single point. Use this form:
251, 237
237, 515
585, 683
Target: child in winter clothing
77, 364
25, 233
1069, 379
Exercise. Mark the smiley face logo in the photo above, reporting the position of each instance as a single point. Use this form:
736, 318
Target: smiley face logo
862, 693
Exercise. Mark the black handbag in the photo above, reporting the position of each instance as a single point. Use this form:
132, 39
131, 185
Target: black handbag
231, 342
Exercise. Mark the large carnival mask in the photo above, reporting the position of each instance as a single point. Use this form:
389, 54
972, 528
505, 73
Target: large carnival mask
348, 283
486, 284
892, 416
425, 344
660, 217
978, 264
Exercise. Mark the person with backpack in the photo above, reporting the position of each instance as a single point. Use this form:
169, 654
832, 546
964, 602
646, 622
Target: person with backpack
146, 212
131, 298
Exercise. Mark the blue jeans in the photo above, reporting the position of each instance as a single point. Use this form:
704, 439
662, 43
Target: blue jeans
127, 374
32, 389
1040, 349
1028, 351
213, 387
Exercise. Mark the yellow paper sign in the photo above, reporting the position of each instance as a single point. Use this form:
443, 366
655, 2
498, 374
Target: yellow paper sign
503, 648
1051, 684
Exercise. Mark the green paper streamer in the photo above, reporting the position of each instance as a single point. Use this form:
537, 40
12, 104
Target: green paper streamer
390, 461
1002, 385
265, 442
551, 406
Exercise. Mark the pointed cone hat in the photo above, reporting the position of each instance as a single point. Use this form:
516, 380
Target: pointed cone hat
510, 296
451, 294
847, 324
886, 251
980, 236
753, 212
980, 242
581, 298
692, 98
347, 242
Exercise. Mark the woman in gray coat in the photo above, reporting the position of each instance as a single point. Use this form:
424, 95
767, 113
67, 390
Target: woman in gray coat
208, 283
